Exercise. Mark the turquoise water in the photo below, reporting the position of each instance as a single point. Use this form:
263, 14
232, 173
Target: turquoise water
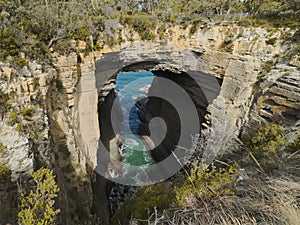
128, 85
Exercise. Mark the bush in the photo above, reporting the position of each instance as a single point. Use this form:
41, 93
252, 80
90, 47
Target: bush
27, 112
2, 146
5, 173
37, 206
268, 65
268, 139
8, 44
209, 182
266, 68
13, 118
265, 146
295, 145
271, 41
141, 23
143, 203
19, 62
193, 29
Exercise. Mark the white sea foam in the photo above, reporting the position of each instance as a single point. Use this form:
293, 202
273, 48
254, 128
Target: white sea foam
131, 143
145, 90
134, 97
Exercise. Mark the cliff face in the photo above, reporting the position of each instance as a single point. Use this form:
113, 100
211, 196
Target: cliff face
250, 66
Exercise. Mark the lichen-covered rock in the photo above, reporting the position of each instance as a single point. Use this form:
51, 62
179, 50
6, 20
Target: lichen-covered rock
17, 155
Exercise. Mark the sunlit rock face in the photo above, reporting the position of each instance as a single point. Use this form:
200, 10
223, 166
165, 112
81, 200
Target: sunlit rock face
241, 105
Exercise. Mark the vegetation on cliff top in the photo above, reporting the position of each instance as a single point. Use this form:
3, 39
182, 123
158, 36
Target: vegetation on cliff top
35, 28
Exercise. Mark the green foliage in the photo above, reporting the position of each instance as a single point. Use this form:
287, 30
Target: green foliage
271, 41
272, 31
253, 22
2, 147
209, 182
295, 145
266, 68
193, 29
266, 144
13, 118
268, 139
141, 23
8, 43
20, 127
195, 25
37, 206
20, 62
4, 105
5, 173
27, 112
143, 203
268, 65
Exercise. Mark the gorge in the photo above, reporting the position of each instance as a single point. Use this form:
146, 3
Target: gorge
231, 89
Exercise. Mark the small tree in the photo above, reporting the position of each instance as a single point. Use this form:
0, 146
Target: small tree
37, 206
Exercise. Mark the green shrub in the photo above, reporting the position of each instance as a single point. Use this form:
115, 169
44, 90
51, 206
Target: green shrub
20, 127
251, 21
268, 65
13, 118
255, 38
2, 146
272, 31
268, 139
27, 112
209, 182
8, 45
37, 206
19, 62
143, 203
193, 29
266, 68
5, 172
4, 105
141, 23
265, 146
271, 41
295, 145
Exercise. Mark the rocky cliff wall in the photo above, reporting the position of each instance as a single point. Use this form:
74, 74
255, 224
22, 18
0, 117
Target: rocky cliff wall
240, 57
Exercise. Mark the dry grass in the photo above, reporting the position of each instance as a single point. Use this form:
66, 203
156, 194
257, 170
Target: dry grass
262, 201
262, 197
